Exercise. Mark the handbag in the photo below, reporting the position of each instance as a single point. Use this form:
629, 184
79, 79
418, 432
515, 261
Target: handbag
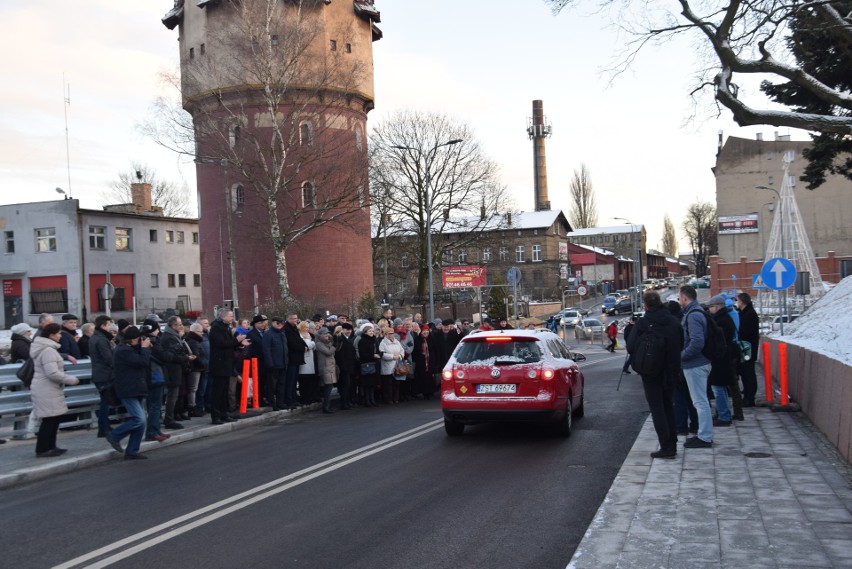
402, 368
744, 350
368, 368
26, 372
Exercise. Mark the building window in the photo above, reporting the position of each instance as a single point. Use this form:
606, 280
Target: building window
791, 181
45, 239
536, 253
195, 238
181, 280
333, 45
462, 257
347, 47
306, 134
152, 235
233, 135
196, 280
404, 262
359, 139
155, 280
49, 300
486, 254
309, 195
447, 257
180, 236
97, 238
10, 241
123, 239
520, 254
170, 237
273, 40
192, 53
504, 254
203, 49
238, 198
170, 281
361, 199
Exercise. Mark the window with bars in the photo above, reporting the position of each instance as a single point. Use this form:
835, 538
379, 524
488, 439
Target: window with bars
195, 238
117, 302
49, 300
170, 281
196, 280
181, 280
179, 236
170, 237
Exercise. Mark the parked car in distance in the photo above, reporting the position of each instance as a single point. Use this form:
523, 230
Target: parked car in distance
776, 322
622, 305
622, 292
512, 375
589, 329
699, 283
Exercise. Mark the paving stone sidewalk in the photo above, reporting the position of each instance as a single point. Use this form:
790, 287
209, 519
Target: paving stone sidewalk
771, 493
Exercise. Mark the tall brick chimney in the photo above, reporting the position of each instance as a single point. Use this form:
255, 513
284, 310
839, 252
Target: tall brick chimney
538, 130
140, 195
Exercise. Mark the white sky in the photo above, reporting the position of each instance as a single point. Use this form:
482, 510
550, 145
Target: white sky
482, 62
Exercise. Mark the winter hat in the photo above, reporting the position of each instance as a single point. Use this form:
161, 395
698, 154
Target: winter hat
397, 322
153, 317
259, 318
346, 326
717, 300
152, 323
131, 333
122, 323
323, 330
365, 326
66, 317
21, 329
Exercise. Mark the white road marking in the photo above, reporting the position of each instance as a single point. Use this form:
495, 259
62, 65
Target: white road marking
207, 514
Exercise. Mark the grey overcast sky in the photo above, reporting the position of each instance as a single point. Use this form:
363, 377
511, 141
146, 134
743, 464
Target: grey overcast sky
482, 62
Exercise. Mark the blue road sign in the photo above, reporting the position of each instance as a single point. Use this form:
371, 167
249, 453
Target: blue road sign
778, 273
514, 275
757, 282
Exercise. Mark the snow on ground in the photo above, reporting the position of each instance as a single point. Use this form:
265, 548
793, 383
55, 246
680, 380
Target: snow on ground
826, 327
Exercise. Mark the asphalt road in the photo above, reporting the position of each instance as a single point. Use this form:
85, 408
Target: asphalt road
376, 488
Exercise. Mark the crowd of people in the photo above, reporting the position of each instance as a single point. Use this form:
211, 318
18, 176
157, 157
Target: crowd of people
688, 355
167, 373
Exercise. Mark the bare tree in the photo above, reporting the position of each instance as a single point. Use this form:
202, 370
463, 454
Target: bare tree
701, 230
584, 210
172, 198
748, 38
425, 165
669, 237
278, 118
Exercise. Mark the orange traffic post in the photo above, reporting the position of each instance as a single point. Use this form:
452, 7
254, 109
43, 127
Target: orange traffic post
255, 402
244, 389
767, 370
782, 373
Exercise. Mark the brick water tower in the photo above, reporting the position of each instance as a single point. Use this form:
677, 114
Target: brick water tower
279, 92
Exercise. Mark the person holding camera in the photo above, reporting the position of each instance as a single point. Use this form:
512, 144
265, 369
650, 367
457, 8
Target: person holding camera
131, 362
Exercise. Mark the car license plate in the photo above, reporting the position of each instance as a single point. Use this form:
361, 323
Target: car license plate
497, 388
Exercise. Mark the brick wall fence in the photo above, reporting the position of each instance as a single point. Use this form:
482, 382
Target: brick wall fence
721, 272
823, 388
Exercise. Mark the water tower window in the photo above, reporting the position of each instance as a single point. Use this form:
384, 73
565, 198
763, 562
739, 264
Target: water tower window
306, 134
192, 53
347, 47
333, 45
203, 49
309, 195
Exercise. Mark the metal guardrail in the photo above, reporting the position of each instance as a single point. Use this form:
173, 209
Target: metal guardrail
82, 400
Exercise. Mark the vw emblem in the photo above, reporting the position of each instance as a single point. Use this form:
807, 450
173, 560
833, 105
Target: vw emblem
495, 373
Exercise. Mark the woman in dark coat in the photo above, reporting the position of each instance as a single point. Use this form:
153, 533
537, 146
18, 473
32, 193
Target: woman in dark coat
22, 337
368, 352
749, 332
424, 364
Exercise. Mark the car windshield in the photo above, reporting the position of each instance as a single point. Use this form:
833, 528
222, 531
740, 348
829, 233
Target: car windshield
591, 323
499, 350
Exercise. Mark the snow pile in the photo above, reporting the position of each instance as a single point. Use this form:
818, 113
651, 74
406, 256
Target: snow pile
826, 327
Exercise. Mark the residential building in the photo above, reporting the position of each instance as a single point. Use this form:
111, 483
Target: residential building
57, 258
623, 240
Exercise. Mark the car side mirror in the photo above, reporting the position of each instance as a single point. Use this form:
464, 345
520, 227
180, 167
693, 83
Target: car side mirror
578, 357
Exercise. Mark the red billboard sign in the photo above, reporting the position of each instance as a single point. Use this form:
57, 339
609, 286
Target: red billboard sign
463, 276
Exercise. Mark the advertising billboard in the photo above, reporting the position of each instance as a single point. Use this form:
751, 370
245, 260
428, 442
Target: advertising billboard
463, 276
732, 224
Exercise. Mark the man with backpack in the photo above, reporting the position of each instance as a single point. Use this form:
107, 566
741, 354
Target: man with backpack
696, 366
654, 346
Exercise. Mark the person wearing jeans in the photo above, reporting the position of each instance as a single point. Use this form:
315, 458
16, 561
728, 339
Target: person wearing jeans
723, 373
696, 367
131, 363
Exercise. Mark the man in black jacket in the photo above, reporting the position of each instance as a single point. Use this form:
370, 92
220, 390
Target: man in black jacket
296, 349
101, 352
178, 361
258, 330
275, 362
749, 332
131, 361
659, 388
347, 360
222, 346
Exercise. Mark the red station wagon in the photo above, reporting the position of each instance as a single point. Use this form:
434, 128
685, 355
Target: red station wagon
512, 375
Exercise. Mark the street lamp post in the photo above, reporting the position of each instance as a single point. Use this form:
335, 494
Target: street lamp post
781, 297
430, 155
636, 264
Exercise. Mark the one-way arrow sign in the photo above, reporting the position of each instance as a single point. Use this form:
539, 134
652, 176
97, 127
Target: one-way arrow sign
778, 273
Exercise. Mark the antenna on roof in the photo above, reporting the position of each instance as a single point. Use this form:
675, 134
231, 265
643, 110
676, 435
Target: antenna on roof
66, 94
